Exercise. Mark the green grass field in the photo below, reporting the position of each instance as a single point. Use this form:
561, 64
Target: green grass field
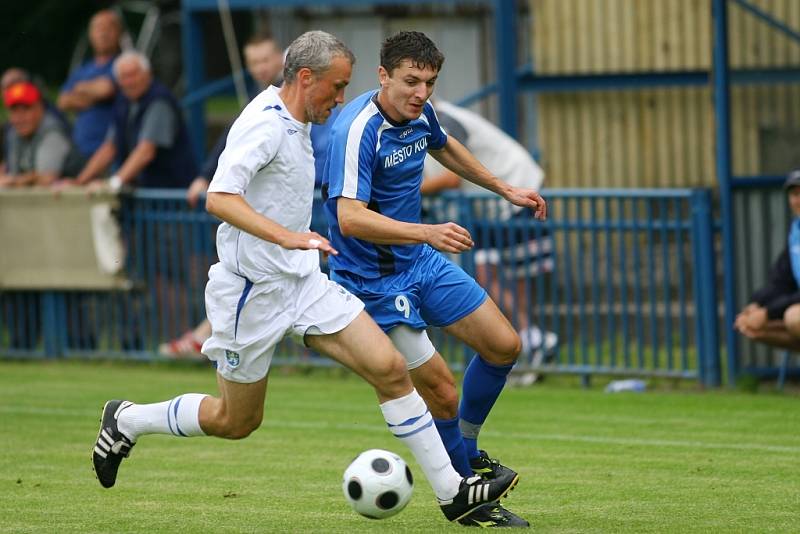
662, 461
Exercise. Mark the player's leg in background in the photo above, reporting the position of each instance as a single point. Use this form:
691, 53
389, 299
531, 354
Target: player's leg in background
365, 349
436, 384
487, 331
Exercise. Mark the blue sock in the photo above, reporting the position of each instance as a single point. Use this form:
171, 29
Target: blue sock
454, 443
483, 383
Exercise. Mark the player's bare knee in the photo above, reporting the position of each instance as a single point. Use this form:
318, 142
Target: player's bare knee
390, 372
505, 351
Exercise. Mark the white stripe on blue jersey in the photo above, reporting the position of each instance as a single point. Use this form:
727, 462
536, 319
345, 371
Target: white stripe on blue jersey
378, 161
354, 136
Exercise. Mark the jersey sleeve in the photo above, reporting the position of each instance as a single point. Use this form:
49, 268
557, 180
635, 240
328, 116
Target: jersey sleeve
352, 153
452, 127
51, 154
159, 125
71, 81
250, 146
438, 136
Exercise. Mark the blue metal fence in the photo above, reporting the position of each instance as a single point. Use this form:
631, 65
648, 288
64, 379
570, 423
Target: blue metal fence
626, 278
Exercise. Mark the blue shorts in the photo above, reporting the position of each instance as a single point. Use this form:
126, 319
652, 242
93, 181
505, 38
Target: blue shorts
434, 291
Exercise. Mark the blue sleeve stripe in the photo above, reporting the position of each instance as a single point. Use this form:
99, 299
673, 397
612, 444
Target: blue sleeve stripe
355, 138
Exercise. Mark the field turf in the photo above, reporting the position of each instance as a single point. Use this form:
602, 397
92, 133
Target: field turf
662, 461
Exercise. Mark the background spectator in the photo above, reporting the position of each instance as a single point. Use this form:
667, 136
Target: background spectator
148, 139
89, 91
773, 314
39, 150
14, 75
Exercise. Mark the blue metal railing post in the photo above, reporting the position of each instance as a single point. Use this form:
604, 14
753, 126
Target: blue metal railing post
506, 63
53, 324
723, 167
706, 320
193, 56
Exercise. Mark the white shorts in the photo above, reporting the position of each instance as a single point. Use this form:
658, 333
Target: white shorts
248, 320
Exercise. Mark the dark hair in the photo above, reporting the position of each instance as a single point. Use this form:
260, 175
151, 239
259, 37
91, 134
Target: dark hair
414, 46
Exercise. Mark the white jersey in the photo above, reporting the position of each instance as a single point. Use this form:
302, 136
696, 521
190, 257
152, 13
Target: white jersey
268, 159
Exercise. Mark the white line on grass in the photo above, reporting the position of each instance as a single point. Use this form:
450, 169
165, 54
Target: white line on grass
528, 436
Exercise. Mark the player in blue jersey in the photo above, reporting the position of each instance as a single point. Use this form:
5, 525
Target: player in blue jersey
394, 263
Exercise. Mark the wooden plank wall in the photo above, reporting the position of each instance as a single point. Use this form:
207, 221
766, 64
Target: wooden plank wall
654, 137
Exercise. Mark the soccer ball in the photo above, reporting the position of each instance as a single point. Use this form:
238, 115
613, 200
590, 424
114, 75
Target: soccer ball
377, 484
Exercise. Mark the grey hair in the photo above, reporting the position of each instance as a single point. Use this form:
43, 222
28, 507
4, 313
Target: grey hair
129, 55
315, 51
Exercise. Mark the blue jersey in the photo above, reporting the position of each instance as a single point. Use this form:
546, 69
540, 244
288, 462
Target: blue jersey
378, 161
91, 124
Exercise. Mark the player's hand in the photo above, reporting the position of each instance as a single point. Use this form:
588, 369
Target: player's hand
528, 198
448, 237
307, 241
198, 186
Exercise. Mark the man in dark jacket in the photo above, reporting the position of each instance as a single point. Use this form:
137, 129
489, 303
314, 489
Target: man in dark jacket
148, 139
773, 314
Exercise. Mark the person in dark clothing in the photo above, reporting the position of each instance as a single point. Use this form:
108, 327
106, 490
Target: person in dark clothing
773, 314
148, 139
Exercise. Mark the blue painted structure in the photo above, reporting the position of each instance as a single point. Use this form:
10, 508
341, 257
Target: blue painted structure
633, 290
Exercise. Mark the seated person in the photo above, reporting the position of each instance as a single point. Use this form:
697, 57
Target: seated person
148, 139
39, 149
773, 314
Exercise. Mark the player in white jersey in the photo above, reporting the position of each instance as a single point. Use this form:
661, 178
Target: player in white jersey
268, 285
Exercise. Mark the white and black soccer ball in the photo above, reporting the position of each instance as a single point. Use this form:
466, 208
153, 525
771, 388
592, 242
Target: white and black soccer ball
378, 484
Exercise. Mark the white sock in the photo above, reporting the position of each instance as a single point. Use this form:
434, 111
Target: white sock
179, 417
410, 421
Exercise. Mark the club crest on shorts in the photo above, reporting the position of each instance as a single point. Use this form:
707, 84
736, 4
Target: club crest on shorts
232, 357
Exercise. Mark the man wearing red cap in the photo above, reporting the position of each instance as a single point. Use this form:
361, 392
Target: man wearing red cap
39, 149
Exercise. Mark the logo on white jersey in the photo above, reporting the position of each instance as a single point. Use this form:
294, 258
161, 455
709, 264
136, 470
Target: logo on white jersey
232, 357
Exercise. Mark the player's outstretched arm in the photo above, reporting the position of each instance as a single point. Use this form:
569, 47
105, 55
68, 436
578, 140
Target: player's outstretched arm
234, 210
355, 220
458, 159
